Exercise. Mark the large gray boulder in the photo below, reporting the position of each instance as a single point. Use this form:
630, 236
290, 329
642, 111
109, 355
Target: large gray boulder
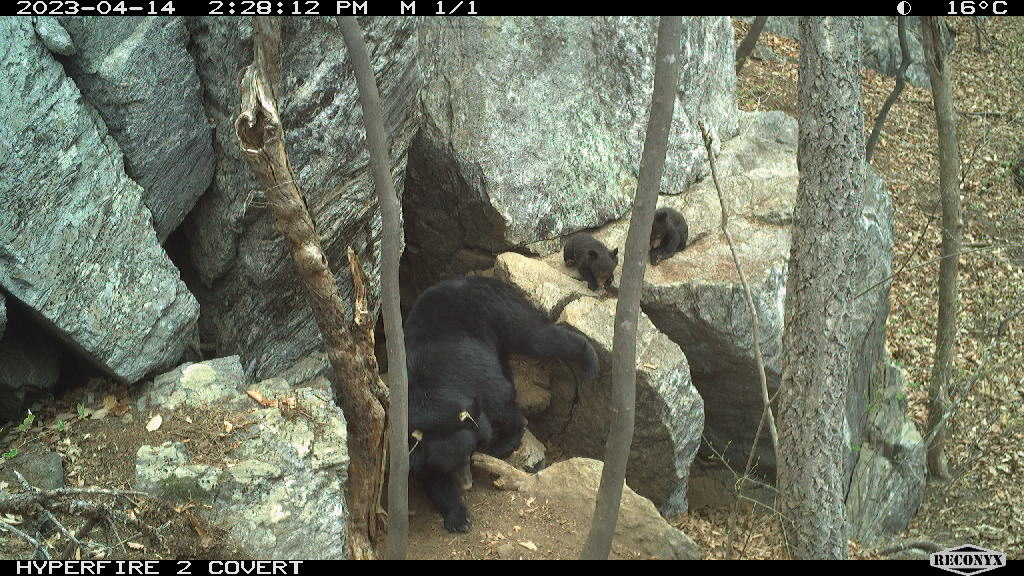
533, 128
696, 299
253, 304
281, 491
138, 74
669, 415
76, 241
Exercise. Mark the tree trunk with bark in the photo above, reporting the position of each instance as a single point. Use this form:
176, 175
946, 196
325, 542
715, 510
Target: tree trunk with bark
949, 265
819, 290
348, 341
627, 309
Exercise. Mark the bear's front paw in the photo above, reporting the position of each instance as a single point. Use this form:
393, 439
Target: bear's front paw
457, 521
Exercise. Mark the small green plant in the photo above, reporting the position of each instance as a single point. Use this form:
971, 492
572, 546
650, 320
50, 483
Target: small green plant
61, 425
27, 422
9, 454
81, 410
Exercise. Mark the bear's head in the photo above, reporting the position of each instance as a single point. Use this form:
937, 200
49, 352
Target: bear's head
659, 228
602, 265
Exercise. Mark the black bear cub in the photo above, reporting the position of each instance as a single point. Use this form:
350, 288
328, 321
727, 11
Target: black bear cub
592, 257
461, 397
668, 234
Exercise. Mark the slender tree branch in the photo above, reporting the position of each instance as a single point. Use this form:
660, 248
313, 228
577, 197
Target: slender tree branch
627, 309
901, 81
766, 413
376, 142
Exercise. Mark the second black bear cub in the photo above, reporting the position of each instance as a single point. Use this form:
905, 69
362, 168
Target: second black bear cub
461, 396
668, 234
595, 261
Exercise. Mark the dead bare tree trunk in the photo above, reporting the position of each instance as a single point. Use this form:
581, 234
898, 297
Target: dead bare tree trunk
349, 344
949, 191
398, 415
746, 46
901, 81
819, 289
627, 309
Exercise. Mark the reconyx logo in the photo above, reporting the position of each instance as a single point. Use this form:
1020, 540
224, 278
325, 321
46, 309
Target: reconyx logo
968, 560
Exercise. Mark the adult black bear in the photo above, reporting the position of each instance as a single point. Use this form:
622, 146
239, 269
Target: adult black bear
595, 261
668, 234
461, 397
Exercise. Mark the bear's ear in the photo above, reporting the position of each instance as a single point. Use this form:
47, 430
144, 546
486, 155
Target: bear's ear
615, 253
660, 216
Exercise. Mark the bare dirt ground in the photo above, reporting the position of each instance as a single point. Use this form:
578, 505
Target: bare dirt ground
983, 504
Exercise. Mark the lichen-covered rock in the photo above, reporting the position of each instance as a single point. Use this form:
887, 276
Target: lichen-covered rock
213, 382
281, 491
3, 314
696, 299
888, 456
533, 128
76, 241
54, 36
253, 303
669, 415
138, 74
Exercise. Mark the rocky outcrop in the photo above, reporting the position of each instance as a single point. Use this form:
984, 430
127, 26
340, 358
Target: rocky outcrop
281, 491
253, 303
54, 36
533, 129
154, 112
640, 532
669, 416
77, 245
696, 299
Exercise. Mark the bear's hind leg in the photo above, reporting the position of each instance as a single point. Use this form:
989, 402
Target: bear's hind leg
555, 341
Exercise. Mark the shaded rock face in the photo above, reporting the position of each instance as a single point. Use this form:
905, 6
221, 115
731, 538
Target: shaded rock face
252, 301
880, 44
29, 365
76, 241
696, 299
533, 129
281, 491
154, 112
669, 416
